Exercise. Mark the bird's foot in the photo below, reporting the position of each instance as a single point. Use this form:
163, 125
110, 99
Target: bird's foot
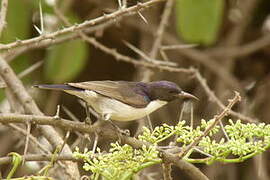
107, 117
125, 132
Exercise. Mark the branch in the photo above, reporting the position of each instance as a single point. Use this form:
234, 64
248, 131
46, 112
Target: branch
164, 21
117, 55
135, 62
167, 169
197, 56
46, 120
213, 97
40, 157
46, 43
31, 137
16, 87
78, 27
109, 134
147, 74
246, 49
167, 157
3, 14
236, 34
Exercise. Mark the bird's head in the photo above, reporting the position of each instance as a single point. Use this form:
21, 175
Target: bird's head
167, 91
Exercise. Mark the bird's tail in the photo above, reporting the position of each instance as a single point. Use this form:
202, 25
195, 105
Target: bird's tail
57, 87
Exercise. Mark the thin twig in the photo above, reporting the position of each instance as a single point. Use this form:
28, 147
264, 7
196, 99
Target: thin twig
78, 27
64, 142
3, 14
244, 50
178, 46
143, 55
30, 69
147, 73
28, 129
31, 137
16, 86
40, 157
217, 118
191, 115
197, 56
202, 152
46, 120
164, 22
149, 123
223, 130
9, 55
167, 169
70, 114
119, 56
213, 97
142, 17
135, 62
95, 143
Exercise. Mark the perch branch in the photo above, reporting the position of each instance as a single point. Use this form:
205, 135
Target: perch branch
109, 133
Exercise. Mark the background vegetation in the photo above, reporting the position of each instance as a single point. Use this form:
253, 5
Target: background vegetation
211, 48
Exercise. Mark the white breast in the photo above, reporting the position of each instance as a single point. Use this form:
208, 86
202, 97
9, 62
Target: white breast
116, 109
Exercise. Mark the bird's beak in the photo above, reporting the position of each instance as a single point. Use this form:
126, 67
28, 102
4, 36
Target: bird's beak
186, 95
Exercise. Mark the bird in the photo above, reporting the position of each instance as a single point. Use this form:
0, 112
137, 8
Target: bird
123, 100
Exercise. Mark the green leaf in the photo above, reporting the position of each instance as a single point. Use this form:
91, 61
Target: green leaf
16, 161
198, 21
65, 61
18, 27
18, 21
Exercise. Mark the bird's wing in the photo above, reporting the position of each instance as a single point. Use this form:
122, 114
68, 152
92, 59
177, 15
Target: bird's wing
125, 92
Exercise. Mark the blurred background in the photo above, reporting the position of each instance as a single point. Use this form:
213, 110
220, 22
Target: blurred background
229, 45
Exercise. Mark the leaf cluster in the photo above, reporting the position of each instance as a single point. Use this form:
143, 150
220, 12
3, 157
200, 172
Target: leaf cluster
120, 163
123, 162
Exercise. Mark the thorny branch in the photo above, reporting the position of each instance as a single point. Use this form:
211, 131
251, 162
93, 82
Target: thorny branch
79, 30
78, 27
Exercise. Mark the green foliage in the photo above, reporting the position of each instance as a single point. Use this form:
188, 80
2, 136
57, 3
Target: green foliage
33, 178
19, 20
18, 28
65, 61
198, 21
159, 134
16, 161
122, 162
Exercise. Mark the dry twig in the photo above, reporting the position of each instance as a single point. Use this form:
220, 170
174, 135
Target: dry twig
16, 86
3, 14
216, 121
213, 97
78, 27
